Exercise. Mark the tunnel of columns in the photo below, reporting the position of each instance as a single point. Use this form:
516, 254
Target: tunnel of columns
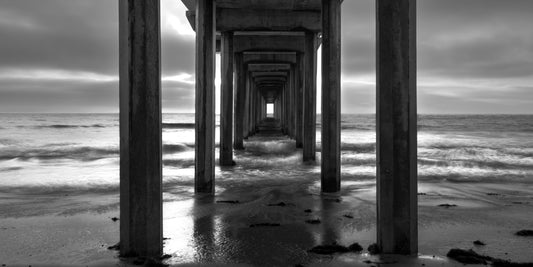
268, 56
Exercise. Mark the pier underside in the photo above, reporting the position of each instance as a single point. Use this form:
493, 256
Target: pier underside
268, 56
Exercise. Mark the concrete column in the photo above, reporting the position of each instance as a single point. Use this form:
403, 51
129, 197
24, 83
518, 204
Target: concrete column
288, 106
276, 108
226, 95
141, 213
331, 92
396, 127
299, 100
254, 107
292, 103
246, 115
204, 176
240, 76
309, 105
284, 109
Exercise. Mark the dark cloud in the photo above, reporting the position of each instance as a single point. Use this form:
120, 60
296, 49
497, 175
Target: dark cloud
473, 55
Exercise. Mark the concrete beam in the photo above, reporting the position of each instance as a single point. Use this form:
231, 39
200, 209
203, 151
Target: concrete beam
141, 213
396, 127
244, 43
274, 57
267, 20
280, 79
269, 73
268, 67
204, 176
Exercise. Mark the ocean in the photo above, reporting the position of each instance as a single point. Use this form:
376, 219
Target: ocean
79, 153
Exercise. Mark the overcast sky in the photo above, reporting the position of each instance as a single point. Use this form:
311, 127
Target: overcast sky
474, 56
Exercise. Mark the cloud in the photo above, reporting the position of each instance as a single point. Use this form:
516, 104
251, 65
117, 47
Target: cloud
473, 55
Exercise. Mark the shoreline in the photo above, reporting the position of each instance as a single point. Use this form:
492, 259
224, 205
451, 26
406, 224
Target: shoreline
201, 231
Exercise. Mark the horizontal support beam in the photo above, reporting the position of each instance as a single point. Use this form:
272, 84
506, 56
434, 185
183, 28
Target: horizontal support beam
274, 78
268, 67
263, 20
268, 73
243, 43
268, 19
266, 57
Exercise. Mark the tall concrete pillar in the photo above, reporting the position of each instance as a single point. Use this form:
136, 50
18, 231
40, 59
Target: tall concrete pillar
284, 109
226, 95
254, 108
331, 92
204, 176
246, 115
309, 105
141, 213
240, 76
299, 100
396, 127
292, 103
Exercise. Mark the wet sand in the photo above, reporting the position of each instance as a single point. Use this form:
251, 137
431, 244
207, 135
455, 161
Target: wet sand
203, 232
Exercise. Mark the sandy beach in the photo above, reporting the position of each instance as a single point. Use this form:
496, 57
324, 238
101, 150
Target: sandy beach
217, 231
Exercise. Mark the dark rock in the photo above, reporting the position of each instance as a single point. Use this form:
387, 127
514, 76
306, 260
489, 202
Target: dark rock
524, 233
115, 219
422, 194
493, 194
114, 247
280, 204
467, 256
374, 249
228, 201
264, 224
166, 256
479, 243
355, 247
447, 205
471, 257
329, 249
347, 216
313, 221
308, 211
506, 263
139, 261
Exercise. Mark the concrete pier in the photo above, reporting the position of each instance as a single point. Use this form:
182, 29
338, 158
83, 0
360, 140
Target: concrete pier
204, 176
331, 93
309, 105
240, 77
396, 127
269, 56
141, 213
226, 96
300, 67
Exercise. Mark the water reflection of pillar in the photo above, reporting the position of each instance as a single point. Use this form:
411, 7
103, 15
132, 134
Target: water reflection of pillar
328, 224
203, 235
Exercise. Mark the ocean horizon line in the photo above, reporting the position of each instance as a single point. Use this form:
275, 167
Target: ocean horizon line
191, 113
